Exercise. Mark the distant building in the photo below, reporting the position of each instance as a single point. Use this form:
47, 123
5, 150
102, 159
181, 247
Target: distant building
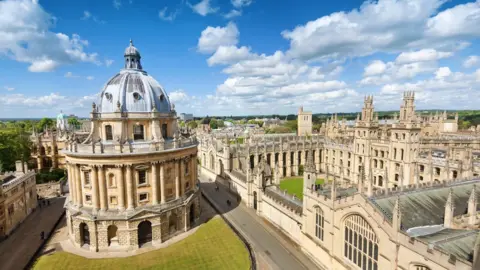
304, 123
18, 197
186, 117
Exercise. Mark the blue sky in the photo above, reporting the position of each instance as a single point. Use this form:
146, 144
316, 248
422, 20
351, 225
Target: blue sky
242, 56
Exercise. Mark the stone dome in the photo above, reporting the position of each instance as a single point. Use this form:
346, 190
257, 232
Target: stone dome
133, 90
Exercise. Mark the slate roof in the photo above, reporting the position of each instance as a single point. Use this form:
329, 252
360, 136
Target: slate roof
326, 190
239, 175
456, 242
427, 206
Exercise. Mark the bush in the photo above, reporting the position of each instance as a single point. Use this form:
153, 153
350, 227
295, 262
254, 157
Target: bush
46, 176
300, 169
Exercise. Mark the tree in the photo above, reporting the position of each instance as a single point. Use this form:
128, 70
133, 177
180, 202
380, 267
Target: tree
213, 123
192, 124
14, 145
74, 123
45, 123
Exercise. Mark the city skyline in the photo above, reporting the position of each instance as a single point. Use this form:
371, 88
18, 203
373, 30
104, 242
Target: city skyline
235, 58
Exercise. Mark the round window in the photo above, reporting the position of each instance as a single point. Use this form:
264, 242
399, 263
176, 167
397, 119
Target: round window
162, 97
136, 96
108, 96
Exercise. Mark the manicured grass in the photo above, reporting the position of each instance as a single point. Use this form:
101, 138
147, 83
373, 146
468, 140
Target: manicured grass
213, 246
294, 185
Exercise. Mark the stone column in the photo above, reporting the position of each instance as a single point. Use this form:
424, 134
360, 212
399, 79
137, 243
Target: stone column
177, 180
186, 218
39, 163
78, 183
121, 189
280, 162
71, 184
95, 199
182, 176
154, 184
162, 182
129, 188
193, 172
103, 188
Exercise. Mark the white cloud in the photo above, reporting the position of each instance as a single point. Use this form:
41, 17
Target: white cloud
442, 73
203, 8
422, 56
385, 26
178, 96
375, 68
24, 28
214, 37
88, 15
70, 75
471, 61
232, 14
241, 3
228, 55
90, 78
162, 14
8, 88
109, 62
117, 4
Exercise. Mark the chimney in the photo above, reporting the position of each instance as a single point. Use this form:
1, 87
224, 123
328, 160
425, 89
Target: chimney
19, 166
397, 215
472, 207
25, 167
449, 207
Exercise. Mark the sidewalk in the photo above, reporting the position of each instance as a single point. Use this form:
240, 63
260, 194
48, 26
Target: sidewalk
21, 245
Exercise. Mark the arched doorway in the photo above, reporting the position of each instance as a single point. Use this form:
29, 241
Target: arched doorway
144, 233
172, 223
112, 234
192, 214
255, 200
84, 234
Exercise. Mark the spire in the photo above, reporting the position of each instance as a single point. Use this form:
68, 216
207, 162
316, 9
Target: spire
397, 215
361, 178
386, 180
370, 183
310, 165
449, 207
132, 57
334, 189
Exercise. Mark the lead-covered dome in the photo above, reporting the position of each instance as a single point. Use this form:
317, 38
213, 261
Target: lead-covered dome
133, 90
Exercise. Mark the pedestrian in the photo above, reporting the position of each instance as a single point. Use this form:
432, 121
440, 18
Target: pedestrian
48, 202
42, 235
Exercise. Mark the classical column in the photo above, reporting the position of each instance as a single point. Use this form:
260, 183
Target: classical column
129, 188
78, 183
103, 188
177, 180
182, 176
121, 189
162, 183
95, 195
71, 185
154, 184
192, 171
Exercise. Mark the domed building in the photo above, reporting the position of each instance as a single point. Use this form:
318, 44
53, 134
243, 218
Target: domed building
133, 181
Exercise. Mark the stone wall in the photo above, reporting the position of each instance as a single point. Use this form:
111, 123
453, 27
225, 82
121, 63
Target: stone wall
48, 190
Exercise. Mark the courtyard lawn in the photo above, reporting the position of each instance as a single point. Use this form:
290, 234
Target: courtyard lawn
213, 246
294, 185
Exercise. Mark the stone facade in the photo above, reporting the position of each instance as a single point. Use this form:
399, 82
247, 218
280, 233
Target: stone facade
133, 180
18, 198
396, 197
304, 122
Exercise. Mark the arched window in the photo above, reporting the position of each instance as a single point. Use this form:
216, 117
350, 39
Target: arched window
380, 181
138, 133
111, 180
108, 133
319, 223
420, 267
361, 243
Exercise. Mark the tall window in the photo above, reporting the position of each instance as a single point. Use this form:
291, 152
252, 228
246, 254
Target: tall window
138, 132
319, 223
87, 178
420, 267
142, 177
164, 131
108, 133
361, 243
186, 164
111, 180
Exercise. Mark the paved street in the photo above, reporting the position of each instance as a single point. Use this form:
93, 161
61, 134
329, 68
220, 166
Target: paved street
270, 247
19, 247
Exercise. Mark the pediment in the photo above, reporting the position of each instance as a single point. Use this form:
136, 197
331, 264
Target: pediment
144, 213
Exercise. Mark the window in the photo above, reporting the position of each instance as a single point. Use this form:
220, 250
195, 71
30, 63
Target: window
382, 153
403, 135
381, 164
111, 180
187, 185
380, 181
394, 153
87, 178
136, 96
319, 223
420, 178
361, 243
437, 171
108, 133
397, 177
11, 209
138, 132
143, 197
162, 97
88, 198
455, 174
169, 191
113, 200
142, 177
422, 168
420, 267
186, 167
401, 154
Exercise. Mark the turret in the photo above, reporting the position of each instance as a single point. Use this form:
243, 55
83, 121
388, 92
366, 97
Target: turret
309, 174
449, 207
397, 215
472, 207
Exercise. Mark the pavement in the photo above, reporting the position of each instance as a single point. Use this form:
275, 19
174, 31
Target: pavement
272, 249
21, 245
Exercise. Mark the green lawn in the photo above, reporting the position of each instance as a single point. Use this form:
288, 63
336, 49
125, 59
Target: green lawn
213, 246
294, 185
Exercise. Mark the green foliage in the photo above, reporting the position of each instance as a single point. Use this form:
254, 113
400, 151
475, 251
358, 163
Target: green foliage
240, 140
181, 123
214, 123
278, 129
300, 170
291, 125
14, 145
45, 123
255, 122
46, 176
73, 122
192, 124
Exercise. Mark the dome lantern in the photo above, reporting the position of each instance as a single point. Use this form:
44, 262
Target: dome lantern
132, 57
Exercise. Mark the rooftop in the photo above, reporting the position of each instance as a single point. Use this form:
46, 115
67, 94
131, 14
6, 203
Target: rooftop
456, 242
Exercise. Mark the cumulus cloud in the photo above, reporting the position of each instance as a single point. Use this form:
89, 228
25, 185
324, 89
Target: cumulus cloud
375, 68
27, 38
442, 72
88, 15
203, 8
241, 3
232, 14
228, 55
384, 26
162, 14
213, 37
109, 62
178, 96
471, 61
422, 56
